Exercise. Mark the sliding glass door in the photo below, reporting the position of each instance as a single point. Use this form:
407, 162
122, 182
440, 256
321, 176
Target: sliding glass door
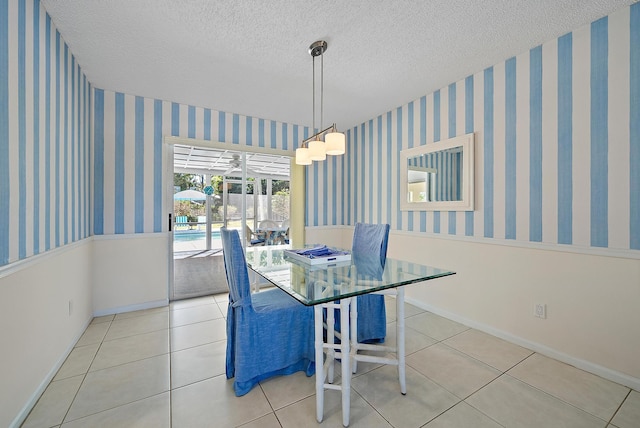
215, 187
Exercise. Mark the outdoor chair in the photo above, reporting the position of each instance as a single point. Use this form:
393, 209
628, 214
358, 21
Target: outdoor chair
267, 224
254, 239
268, 333
269, 228
182, 220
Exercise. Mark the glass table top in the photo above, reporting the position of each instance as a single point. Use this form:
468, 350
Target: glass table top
314, 284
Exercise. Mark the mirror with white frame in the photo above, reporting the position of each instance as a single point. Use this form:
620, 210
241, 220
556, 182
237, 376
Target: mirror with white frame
438, 176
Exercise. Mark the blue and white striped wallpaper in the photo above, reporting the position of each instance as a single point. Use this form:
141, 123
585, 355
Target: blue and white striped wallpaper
557, 147
128, 130
44, 136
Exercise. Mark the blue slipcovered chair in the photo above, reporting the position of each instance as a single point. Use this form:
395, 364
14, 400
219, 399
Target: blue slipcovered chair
370, 242
268, 333
369, 253
369, 249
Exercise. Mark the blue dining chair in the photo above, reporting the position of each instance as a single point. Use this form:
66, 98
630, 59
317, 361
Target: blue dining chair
369, 253
370, 242
268, 333
369, 249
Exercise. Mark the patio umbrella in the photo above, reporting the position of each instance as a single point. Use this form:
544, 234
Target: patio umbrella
189, 195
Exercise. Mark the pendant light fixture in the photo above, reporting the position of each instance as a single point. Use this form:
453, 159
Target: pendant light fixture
314, 148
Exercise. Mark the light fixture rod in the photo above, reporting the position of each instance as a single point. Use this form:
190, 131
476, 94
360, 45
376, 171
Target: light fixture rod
322, 88
318, 48
313, 64
319, 134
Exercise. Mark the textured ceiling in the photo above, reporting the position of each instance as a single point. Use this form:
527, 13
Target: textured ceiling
250, 57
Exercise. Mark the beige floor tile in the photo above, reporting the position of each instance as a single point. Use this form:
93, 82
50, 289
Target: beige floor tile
221, 297
513, 403
424, 400
141, 313
194, 314
78, 361
189, 303
54, 403
137, 325
390, 309
152, 412
198, 363
213, 403
453, 370
413, 340
115, 386
267, 421
224, 307
628, 415
588, 392
132, 348
302, 414
489, 349
105, 318
362, 367
284, 390
435, 326
191, 335
94, 333
463, 415
136, 393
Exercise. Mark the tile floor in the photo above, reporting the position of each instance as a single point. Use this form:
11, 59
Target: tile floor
164, 367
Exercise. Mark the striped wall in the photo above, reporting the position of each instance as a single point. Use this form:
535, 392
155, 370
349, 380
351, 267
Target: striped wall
557, 147
44, 136
128, 136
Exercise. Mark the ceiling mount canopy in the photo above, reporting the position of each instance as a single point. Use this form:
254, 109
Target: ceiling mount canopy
314, 148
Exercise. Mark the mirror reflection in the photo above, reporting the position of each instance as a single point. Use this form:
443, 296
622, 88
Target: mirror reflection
435, 176
438, 176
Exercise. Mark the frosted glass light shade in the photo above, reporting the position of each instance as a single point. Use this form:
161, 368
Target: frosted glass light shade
302, 156
334, 143
317, 151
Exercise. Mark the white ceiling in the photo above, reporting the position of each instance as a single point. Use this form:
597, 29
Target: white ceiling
250, 57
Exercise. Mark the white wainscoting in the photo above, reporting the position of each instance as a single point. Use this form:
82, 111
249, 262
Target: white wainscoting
45, 307
130, 272
592, 299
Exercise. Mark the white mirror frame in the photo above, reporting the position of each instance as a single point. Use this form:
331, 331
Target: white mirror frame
468, 162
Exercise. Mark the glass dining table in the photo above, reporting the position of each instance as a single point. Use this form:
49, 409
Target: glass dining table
334, 285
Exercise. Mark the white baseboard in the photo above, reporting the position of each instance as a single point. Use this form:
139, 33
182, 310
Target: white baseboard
33, 399
604, 372
130, 308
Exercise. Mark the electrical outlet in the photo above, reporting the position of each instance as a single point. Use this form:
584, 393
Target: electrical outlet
540, 310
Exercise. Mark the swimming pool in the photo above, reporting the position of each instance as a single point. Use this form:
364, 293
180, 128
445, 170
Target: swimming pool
193, 235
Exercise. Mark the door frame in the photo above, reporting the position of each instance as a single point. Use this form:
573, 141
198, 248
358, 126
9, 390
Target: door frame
297, 186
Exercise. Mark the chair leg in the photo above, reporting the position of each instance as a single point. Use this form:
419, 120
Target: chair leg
331, 340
